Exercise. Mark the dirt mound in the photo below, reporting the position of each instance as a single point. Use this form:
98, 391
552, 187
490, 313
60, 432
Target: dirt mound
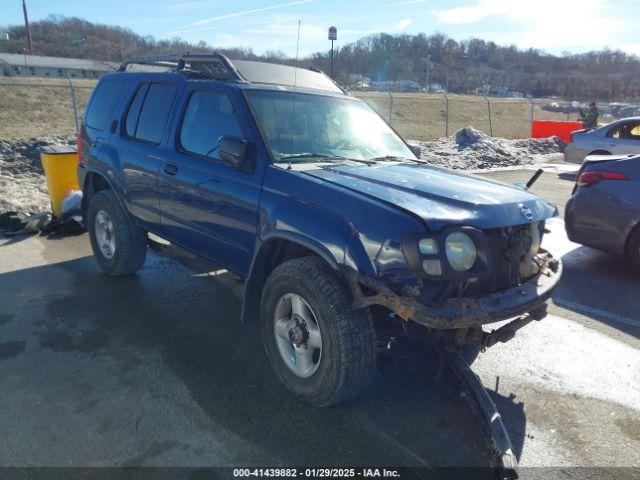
22, 184
471, 149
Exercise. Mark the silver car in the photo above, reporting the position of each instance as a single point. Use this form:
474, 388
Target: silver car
604, 209
619, 137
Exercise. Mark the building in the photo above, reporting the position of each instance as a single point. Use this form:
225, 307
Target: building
397, 86
358, 81
19, 65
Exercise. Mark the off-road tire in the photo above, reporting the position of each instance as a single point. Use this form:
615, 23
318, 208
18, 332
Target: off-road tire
633, 248
131, 241
348, 360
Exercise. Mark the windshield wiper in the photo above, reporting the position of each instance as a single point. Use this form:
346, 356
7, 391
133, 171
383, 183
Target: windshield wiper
287, 158
391, 158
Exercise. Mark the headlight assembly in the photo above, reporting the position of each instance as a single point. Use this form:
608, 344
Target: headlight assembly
461, 251
452, 253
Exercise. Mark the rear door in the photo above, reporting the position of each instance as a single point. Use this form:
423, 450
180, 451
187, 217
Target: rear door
207, 205
141, 145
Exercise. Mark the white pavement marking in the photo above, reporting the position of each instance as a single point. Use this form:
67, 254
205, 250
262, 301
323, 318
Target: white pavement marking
595, 312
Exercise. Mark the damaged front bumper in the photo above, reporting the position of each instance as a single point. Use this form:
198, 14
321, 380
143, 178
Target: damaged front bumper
464, 312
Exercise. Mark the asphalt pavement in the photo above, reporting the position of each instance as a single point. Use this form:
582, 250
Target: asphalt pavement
157, 370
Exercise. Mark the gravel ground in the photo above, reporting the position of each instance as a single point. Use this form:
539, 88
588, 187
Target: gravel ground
23, 187
22, 184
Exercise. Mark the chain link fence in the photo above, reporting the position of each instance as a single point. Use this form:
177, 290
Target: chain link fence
42, 107
422, 116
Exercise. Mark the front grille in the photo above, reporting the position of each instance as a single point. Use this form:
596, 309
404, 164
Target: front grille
506, 247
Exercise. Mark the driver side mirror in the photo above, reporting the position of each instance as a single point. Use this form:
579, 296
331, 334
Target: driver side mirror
233, 150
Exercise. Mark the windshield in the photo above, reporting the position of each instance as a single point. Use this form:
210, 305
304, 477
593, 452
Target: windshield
324, 127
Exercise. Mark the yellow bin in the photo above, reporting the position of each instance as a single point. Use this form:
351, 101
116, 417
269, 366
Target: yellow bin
59, 163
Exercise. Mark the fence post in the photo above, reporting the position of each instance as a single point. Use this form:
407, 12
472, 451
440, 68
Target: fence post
489, 111
72, 92
390, 106
531, 100
446, 113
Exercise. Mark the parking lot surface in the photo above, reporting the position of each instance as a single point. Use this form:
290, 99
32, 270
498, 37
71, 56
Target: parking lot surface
157, 370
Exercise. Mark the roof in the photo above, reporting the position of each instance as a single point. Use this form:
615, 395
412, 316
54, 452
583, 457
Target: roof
20, 60
218, 67
275, 74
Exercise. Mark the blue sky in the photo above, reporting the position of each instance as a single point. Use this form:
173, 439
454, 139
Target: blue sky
552, 25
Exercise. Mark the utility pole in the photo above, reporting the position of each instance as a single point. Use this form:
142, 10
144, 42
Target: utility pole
428, 68
26, 26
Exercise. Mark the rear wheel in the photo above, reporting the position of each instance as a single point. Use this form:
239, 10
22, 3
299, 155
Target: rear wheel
119, 246
633, 249
320, 348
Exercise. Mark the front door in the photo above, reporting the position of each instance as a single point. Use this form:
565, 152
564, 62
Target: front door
626, 138
207, 205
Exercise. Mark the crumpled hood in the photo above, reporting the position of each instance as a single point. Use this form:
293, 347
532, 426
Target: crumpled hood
441, 197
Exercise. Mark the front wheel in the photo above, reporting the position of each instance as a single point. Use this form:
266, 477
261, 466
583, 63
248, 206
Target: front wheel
320, 348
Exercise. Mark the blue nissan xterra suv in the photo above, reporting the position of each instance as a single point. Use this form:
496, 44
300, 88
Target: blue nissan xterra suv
343, 237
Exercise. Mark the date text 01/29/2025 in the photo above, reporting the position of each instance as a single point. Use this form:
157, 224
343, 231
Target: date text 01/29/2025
316, 472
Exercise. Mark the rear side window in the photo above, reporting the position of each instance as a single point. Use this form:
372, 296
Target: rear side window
131, 121
154, 113
208, 117
104, 101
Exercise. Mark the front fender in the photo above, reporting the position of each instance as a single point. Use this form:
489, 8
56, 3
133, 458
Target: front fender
328, 234
307, 226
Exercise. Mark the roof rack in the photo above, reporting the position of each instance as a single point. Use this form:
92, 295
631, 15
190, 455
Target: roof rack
211, 65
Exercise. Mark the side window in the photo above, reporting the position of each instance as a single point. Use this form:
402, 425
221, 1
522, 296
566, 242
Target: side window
104, 100
629, 131
131, 120
155, 112
208, 117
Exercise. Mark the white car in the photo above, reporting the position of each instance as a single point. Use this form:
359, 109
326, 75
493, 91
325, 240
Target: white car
620, 137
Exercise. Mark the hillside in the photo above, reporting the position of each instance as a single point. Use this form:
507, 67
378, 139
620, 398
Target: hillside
463, 66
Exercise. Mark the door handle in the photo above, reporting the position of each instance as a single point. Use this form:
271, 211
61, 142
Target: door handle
170, 169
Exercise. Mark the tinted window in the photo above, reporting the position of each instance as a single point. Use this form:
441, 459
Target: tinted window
105, 99
209, 116
131, 122
155, 112
629, 131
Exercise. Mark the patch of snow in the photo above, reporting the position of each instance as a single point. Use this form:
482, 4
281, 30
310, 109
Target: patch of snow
471, 149
23, 187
